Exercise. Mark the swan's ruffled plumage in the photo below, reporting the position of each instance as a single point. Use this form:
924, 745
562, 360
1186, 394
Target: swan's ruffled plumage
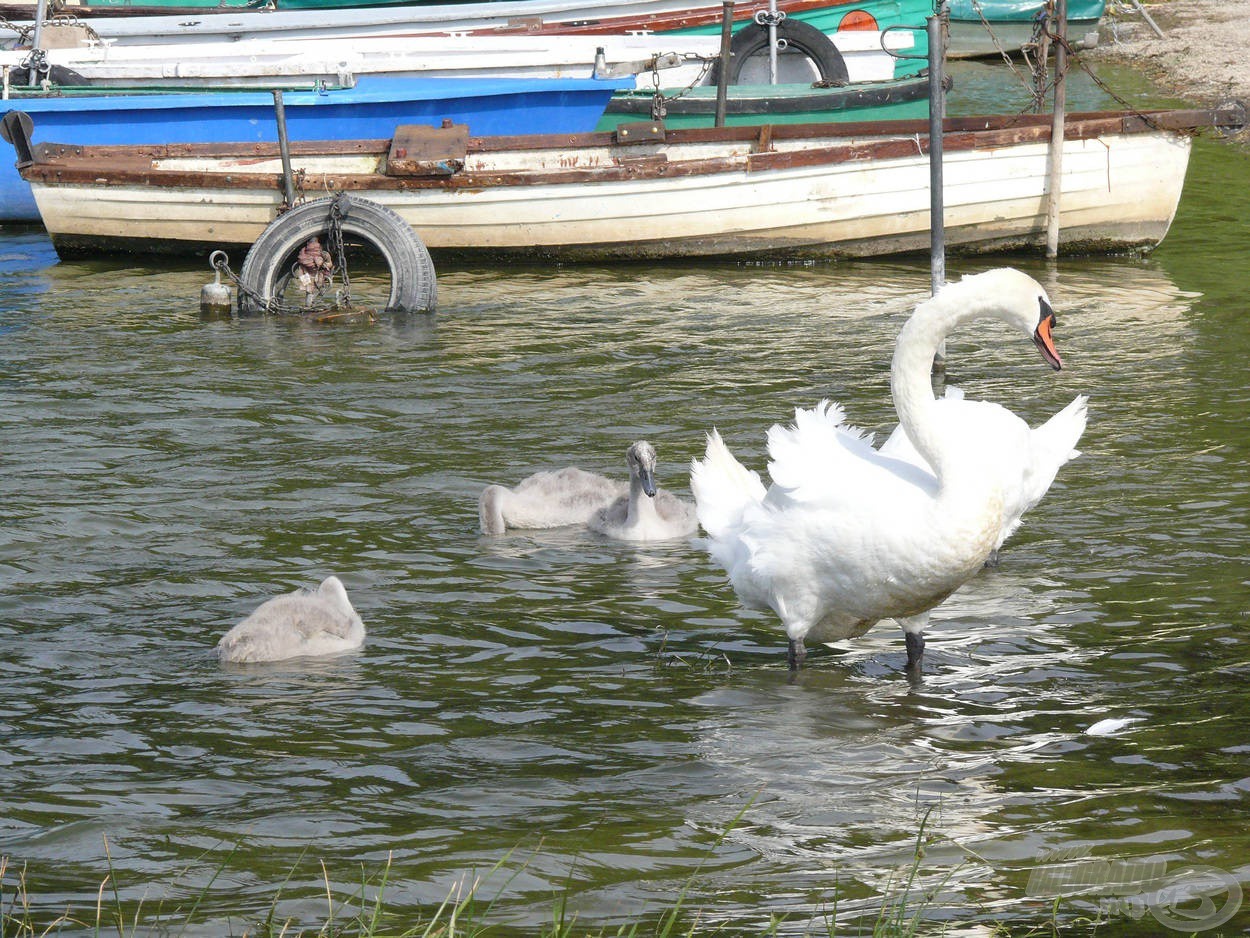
297, 624
1028, 459
548, 499
847, 535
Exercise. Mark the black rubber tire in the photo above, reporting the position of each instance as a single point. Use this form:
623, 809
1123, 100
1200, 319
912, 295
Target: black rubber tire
57, 75
803, 38
414, 285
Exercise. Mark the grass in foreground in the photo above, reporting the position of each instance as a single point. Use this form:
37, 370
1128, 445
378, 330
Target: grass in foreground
464, 913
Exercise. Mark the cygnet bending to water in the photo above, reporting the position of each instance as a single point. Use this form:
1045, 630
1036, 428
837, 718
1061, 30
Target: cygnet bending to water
305, 622
547, 500
645, 514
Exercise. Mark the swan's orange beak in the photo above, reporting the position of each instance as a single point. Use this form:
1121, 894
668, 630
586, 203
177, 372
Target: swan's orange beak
1042, 336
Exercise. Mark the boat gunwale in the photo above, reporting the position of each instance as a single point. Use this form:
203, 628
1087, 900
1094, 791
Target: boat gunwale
131, 165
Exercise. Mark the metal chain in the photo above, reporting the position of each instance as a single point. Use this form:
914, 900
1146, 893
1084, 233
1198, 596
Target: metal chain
339, 249
1073, 57
660, 100
219, 261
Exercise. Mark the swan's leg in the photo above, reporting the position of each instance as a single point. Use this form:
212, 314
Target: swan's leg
915, 650
913, 634
796, 654
992, 559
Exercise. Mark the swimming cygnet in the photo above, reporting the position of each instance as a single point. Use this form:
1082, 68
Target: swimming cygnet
645, 514
547, 500
305, 622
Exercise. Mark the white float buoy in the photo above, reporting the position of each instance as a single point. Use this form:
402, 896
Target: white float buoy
215, 297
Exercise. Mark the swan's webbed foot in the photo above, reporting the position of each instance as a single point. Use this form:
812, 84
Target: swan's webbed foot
915, 651
795, 655
992, 559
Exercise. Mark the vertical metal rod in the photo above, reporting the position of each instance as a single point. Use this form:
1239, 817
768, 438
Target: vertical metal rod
36, 43
1054, 189
937, 110
772, 42
936, 34
722, 80
284, 148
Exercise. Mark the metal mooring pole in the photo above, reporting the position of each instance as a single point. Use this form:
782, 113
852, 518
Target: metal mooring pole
36, 43
1054, 188
284, 149
722, 76
936, 32
937, 110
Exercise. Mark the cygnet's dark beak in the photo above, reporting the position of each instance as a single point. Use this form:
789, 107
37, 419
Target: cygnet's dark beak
647, 478
1042, 337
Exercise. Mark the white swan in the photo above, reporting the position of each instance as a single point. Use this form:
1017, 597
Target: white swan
846, 536
547, 500
1028, 459
305, 622
646, 513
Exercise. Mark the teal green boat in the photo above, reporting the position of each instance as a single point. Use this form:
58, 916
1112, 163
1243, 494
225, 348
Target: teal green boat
745, 105
140, 7
981, 28
803, 28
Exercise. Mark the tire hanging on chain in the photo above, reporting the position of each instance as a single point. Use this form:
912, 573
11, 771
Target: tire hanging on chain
414, 286
801, 39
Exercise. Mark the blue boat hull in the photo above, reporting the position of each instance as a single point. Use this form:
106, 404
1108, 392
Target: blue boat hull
371, 110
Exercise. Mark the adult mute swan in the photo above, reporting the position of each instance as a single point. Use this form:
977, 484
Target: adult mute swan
547, 500
305, 622
1028, 459
846, 536
646, 513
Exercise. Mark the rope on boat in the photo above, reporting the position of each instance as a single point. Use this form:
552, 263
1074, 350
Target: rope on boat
1039, 85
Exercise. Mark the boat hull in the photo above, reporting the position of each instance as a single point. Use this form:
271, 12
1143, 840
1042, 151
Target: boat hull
371, 109
748, 105
767, 195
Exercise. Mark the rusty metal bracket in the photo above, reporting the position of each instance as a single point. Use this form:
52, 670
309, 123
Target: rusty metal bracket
16, 128
639, 132
418, 150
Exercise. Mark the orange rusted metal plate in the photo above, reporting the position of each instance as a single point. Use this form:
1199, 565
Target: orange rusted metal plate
418, 150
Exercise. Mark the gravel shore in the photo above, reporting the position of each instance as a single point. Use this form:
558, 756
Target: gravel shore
1201, 56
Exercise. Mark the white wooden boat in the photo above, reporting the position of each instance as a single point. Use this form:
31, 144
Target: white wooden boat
483, 17
683, 59
777, 191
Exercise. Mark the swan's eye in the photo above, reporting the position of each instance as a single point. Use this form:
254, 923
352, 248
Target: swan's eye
1047, 312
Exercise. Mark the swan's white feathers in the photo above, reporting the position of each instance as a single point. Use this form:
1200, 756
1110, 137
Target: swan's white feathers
723, 488
846, 534
821, 461
1024, 461
302, 623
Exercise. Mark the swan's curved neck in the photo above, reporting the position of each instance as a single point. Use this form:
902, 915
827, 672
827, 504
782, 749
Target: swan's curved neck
911, 374
641, 505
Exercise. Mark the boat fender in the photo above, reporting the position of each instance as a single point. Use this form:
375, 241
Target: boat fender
800, 37
215, 296
270, 260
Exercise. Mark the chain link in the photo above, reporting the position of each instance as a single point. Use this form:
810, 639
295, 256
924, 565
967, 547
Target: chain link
659, 100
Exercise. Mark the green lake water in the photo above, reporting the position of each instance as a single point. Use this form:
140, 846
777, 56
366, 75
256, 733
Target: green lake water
564, 716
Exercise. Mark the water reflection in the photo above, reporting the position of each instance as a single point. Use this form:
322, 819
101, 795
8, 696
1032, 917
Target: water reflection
596, 714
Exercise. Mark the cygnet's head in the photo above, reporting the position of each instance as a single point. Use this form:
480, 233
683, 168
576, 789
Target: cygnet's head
1024, 304
640, 457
